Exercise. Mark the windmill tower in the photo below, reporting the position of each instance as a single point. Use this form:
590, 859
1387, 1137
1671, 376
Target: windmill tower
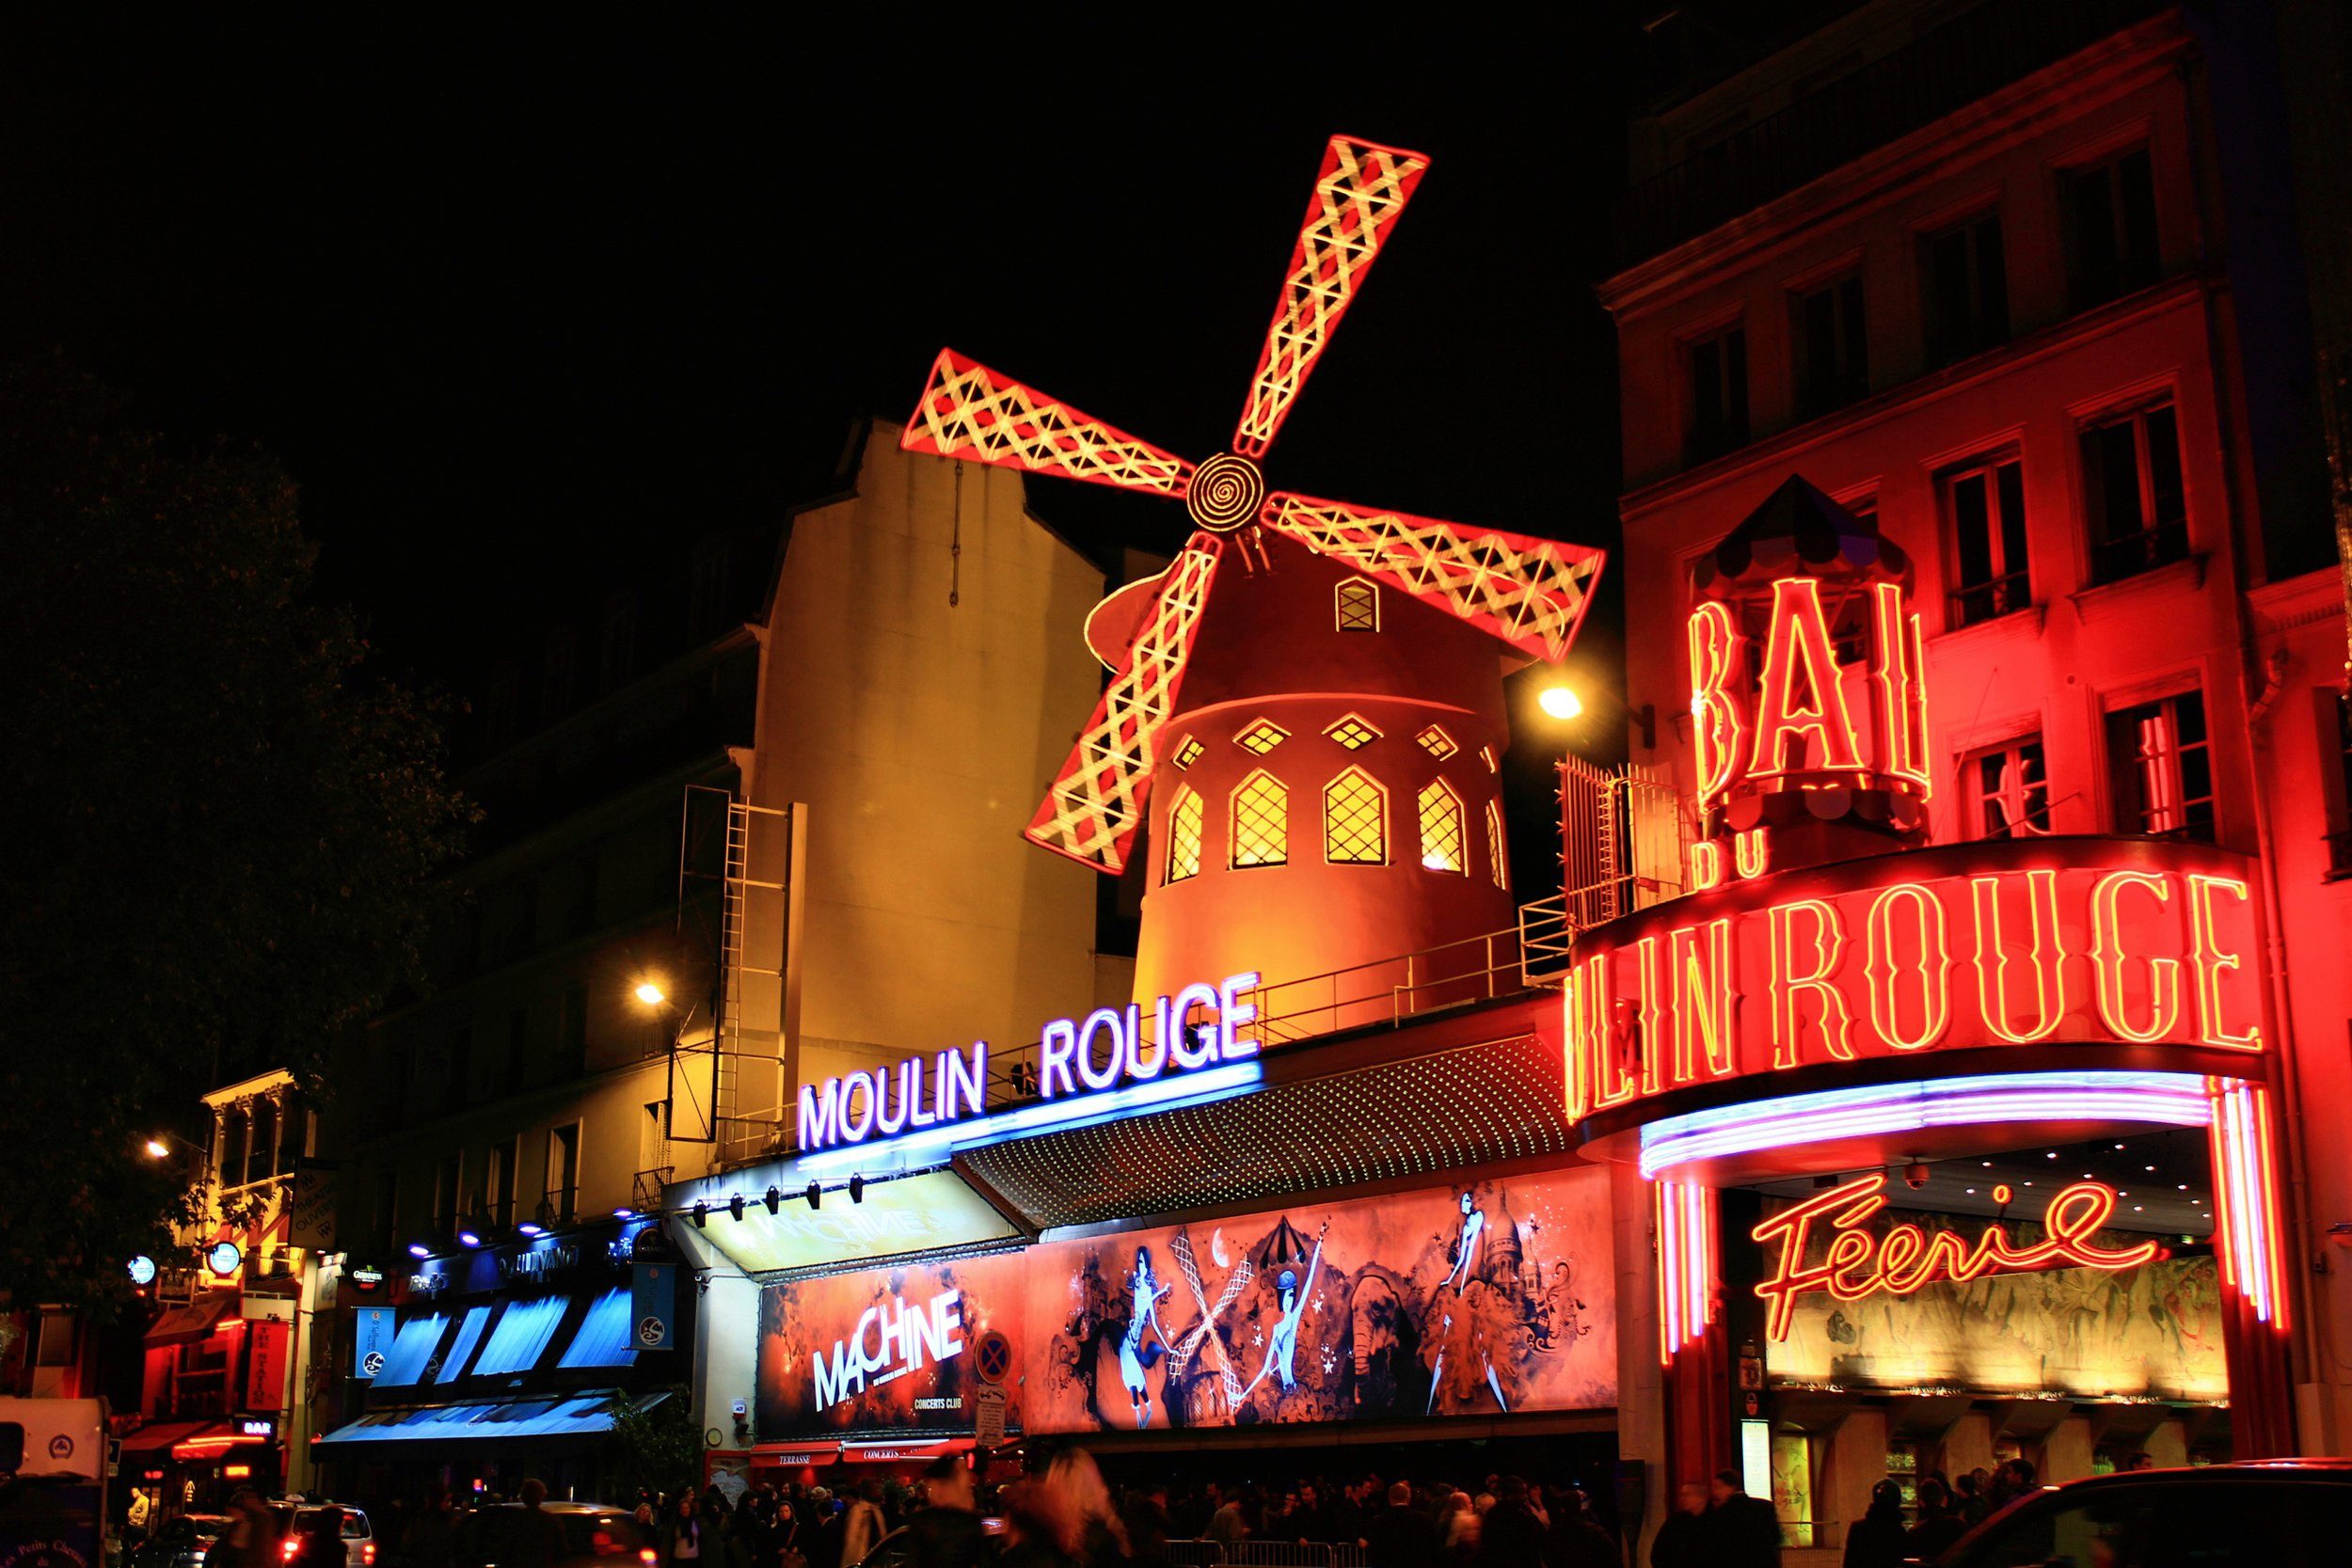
1309, 701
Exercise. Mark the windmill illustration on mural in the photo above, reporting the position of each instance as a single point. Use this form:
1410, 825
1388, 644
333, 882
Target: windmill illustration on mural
1529, 593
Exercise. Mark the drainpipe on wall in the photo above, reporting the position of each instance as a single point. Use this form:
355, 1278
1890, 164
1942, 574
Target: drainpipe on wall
2308, 1346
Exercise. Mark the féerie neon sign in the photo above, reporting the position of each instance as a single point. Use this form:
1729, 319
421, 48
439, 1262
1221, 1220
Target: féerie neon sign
1108, 1047
1858, 1263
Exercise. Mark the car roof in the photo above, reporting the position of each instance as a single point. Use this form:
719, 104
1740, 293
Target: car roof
2331, 1472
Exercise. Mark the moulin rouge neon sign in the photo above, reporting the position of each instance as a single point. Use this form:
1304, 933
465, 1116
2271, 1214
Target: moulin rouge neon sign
1859, 1263
2031, 944
1195, 1028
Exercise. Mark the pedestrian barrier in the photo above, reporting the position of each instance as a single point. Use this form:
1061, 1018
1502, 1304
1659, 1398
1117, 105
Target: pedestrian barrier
1264, 1554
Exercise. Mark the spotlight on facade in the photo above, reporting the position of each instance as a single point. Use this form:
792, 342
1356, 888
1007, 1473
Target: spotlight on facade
816, 1195
650, 993
420, 1249
530, 1227
1560, 701
775, 1199
624, 1213
469, 1233
735, 1206
857, 1189
701, 1213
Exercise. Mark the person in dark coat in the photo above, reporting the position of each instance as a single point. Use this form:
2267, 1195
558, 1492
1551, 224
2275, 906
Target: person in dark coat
1512, 1536
1876, 1540
1940, 1524
1685, 1540
1401, 1535
948, 1530
1745, 1531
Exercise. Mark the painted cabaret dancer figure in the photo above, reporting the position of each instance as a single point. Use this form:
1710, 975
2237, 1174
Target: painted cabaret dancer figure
1134, 1356
1457, 1303
1282, 1344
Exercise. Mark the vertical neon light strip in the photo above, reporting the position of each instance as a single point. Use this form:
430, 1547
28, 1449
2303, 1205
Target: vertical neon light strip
2246, 1198
1686, 1265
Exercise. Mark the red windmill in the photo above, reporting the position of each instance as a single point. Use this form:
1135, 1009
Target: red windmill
1272, 645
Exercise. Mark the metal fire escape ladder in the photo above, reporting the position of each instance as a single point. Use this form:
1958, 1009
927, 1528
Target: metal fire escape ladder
743, 1112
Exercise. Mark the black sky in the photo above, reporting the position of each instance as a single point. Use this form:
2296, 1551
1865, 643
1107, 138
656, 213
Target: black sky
527, 307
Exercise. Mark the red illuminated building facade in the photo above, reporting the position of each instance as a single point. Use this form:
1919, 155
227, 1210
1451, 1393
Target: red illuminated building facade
1985, 638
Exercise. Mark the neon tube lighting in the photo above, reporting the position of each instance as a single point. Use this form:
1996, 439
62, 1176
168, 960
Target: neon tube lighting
2170, 1098
937, 1145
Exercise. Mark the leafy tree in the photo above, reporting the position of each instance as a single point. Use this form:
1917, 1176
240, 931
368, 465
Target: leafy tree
652, 1446
219, 825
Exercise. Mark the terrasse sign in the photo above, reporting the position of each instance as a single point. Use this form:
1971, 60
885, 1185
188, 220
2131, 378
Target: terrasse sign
2048, 942
1198, 1027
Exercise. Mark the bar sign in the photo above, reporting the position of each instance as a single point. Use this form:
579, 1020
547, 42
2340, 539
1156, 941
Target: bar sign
652, 1304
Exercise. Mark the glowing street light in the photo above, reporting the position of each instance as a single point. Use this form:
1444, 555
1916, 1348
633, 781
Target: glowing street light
157, 1150
1560, 701
651, 994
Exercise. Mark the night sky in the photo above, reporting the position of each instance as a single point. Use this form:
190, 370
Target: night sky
526, 311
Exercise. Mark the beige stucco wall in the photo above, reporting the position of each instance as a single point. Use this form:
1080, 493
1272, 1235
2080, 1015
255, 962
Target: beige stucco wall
919, 736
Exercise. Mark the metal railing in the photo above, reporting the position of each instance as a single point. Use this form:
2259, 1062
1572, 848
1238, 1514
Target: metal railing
1264, 1554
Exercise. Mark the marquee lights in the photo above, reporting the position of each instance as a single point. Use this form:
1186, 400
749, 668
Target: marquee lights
1968, 946
1858, 1263
1800, 701
2245, 1198
1076, 1061
1717, 728
1686, 1262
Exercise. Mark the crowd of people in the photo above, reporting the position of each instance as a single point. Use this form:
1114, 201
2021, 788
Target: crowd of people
1947, 1509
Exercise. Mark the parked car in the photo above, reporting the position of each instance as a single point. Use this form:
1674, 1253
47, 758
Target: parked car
2274, 1514
595, 1535
182, 1542
897, 1548
358, 1537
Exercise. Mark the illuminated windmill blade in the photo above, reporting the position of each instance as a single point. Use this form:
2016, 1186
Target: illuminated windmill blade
1363, 186
1530, 593
968, 410
1096, 802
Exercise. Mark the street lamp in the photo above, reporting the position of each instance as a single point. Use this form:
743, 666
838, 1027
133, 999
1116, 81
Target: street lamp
650, 993
158, 1146
1560, 701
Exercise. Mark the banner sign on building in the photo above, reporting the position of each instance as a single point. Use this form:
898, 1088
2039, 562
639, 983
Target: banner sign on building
311, 1219
371, 1340
653, 1305
1480, 1301
266, 1364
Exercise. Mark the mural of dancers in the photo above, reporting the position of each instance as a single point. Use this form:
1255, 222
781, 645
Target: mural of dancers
1136, 1357
1453, 1304
1282, 1343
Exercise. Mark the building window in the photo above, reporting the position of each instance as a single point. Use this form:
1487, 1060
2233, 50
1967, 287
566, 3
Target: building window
2162, 769
1495, 866
1833, 356
1986, 505
1183, 836
1261, 822
1437, 743
2340, 814
2110, 220
1188, 752
1354, 821
618, 656
572, 1032
563, 1173
2008, 790
387, 1209
1357, 606
445, 1196
1719, 393
1261, 735
1441, 848
1354, 733
2132, 498
1486, 755
1966, 285
555, 685
498, 1185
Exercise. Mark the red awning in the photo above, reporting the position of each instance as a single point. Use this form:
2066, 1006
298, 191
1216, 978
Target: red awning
214, 1440
185, 1325
151, 1439
795, 1455
912, 1451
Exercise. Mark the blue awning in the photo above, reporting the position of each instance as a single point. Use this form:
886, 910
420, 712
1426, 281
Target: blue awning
412, 1350
606, 1335
521, 1335
505, 1420
468, 1336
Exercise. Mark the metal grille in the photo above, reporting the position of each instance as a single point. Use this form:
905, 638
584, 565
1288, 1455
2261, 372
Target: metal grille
1353, 733
1355, 821
1499, 1100
1358, 606
1441, 827
1261, 822
1183, 837
1188, 752
1261, 736
1437, 743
